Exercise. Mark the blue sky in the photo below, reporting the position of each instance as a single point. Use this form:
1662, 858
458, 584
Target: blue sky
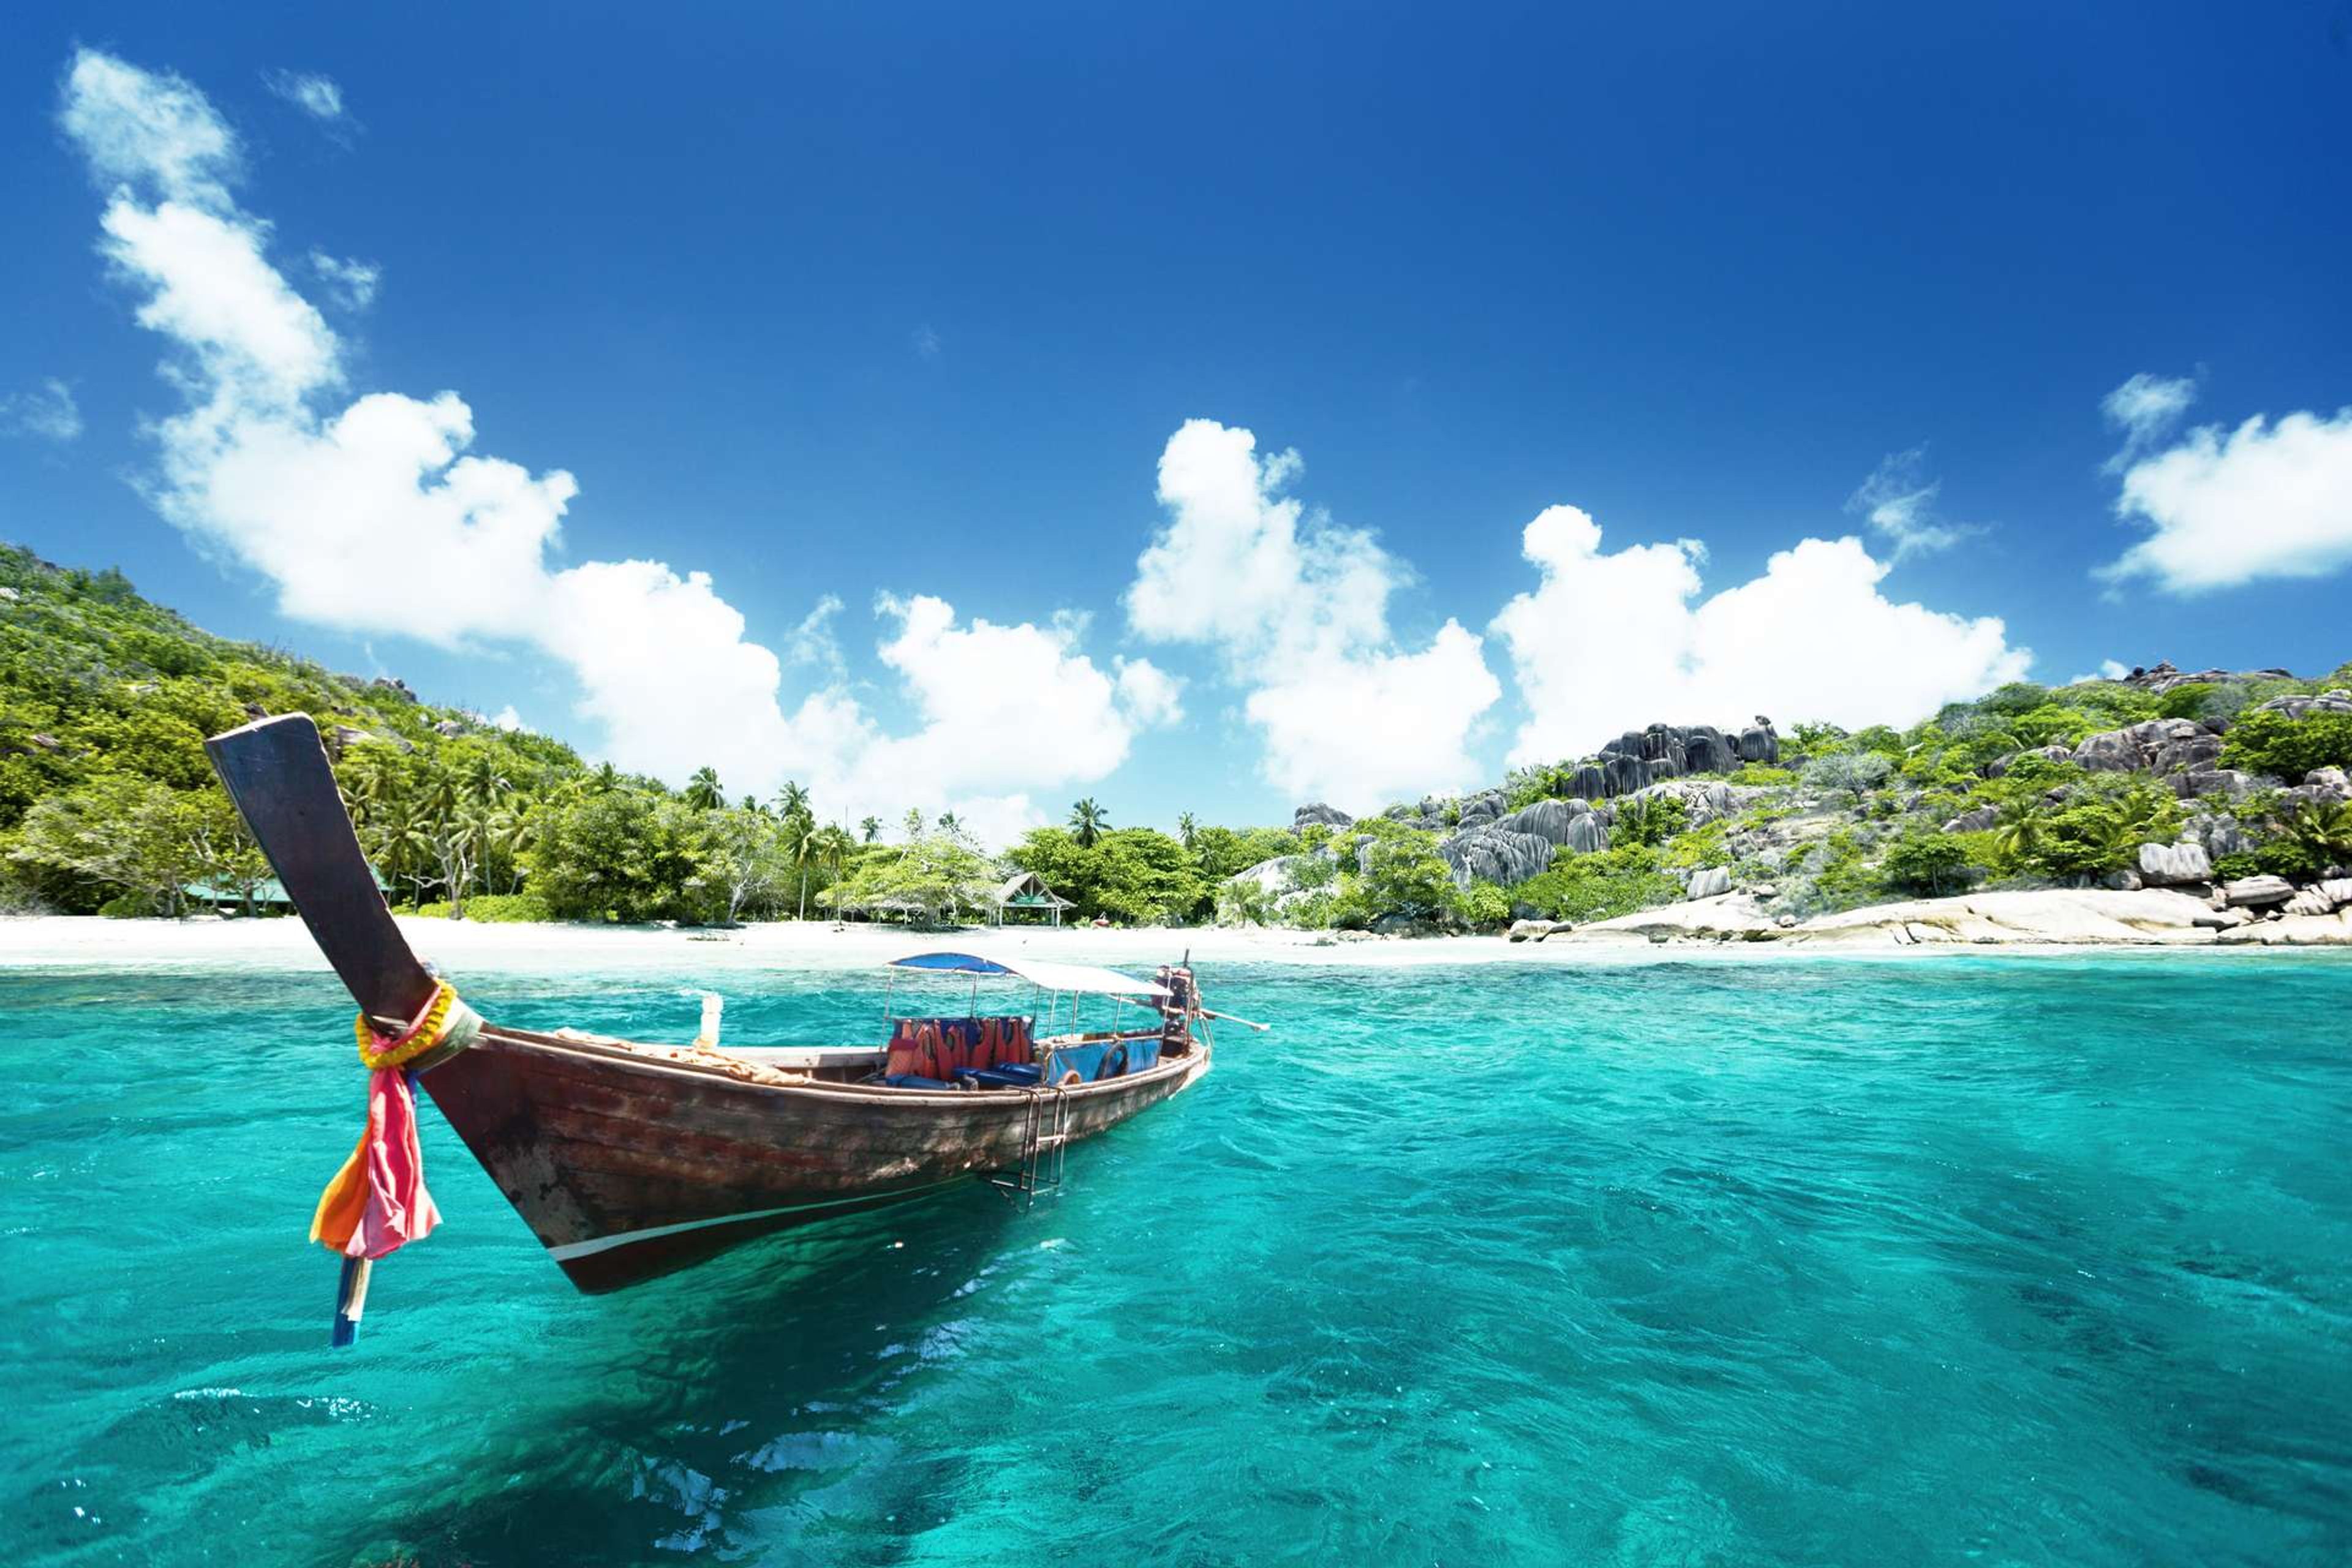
910, 310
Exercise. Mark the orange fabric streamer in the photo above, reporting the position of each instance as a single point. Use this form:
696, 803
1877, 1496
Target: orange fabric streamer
377, 1202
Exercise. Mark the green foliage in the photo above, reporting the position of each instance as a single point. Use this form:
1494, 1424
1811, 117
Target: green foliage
2313, 838
2272, 744
2191, 700
1225, 851
1649, 821
623, 855
500, 907
116, 839
1404, 876
1482, 906
1763, 774
932, 877
1841, 874
1618, 880
1853, 773
1138, 875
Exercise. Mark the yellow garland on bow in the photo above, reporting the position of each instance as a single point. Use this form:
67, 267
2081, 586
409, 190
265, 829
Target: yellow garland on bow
378, 1054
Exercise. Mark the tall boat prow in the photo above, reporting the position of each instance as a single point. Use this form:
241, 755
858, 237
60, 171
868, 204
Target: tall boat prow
629, 1159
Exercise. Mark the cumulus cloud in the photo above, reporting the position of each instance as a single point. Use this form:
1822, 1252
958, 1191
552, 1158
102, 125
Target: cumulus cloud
2229, 507
315, 95
46, 412
351, 283
1297, 607
1609, 640
2109, 669
1898, 499
377, 513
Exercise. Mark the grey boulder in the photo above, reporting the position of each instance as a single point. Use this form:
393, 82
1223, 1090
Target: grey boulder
2172, 865
2255, 892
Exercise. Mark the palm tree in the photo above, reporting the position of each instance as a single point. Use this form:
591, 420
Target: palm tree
913, 824
2324, 833
834, 846
791, 800
2017, 832
480, 780
604, 780
871, 827
801, 850
1186, 828
703, 791
1088, 820
376, 780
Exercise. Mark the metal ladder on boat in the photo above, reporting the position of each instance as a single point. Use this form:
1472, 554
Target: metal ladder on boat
1044, 1136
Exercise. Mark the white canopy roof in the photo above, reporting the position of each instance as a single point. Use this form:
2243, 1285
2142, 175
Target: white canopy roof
1081, 977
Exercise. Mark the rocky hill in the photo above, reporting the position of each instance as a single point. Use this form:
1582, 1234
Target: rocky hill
2226, 786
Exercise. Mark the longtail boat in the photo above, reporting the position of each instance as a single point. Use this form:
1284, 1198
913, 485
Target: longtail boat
629, 1161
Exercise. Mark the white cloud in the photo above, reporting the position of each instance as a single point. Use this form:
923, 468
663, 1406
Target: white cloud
813, 643
47, 412
313, 94
2109, 669
2143, 408
1899, 500
927, 343
378, 515
1610, 641
2265, 501
352, 282
508, 719
1298, 608
148, 128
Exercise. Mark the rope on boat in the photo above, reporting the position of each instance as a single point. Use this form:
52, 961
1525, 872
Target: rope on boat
377, 1202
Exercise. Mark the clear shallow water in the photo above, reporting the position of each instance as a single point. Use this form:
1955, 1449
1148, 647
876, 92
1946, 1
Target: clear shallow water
2033, 1261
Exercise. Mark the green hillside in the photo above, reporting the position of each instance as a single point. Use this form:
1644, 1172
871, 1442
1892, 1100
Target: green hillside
108, 804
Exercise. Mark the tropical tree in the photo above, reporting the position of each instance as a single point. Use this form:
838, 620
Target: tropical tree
792, 800
2017, 830
872, 829
128, 834
913, 823
703, 791
801, 851
2319, 836
1186, 828
1089, 821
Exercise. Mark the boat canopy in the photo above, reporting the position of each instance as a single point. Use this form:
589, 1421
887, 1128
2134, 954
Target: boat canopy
1078, 977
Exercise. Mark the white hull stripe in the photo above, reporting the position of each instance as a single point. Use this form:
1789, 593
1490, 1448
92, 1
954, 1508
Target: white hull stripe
572, 1249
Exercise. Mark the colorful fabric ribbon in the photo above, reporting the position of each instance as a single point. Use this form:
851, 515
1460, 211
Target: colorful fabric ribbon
377, 1202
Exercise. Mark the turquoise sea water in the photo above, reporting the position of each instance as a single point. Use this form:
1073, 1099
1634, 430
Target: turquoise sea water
1969, 1260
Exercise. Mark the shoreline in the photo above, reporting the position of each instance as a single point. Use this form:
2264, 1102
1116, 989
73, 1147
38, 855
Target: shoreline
83, 942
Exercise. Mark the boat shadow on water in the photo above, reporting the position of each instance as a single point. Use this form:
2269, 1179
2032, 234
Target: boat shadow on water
730, 1405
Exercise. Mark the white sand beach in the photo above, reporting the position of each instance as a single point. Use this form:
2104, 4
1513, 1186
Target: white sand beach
2055, 922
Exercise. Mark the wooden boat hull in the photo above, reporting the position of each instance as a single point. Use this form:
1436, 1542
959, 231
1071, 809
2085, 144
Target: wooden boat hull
631, 1167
